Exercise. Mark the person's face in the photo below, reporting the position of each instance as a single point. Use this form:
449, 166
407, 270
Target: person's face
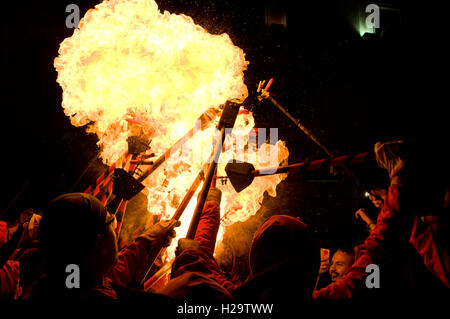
340, 262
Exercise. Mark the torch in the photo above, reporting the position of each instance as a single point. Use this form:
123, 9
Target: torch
140, 146
178, 213
227, 120
137, 145
265, 94
125, 186
205, 120
241, 174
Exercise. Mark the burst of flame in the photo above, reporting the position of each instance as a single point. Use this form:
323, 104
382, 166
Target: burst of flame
127, 59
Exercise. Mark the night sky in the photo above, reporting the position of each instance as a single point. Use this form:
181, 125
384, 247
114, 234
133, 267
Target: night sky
351, 91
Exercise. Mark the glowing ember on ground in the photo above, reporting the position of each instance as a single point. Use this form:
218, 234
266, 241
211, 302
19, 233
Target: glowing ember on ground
127, 59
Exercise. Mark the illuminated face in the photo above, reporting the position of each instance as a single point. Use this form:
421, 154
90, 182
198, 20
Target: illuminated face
340, 262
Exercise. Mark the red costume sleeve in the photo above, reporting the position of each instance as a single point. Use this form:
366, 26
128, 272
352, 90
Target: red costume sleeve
373, 245
130, 259
202, 260
436, 260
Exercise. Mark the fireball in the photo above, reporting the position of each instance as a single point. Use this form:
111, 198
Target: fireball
129, 60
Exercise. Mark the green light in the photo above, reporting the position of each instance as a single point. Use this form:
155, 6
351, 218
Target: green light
360, 24
363, 29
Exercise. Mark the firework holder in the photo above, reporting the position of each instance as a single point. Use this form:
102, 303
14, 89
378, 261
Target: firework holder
125, 186
227, 120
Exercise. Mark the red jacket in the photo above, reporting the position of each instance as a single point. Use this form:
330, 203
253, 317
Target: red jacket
196, 270
421, 237
130, 260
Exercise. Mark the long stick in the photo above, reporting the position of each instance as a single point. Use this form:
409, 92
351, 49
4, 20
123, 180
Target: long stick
228, 117
299, 124
227, 120
178, 213
166, 155
165, 269
336, 161
205, 121
93, 188
190, 193
206, 185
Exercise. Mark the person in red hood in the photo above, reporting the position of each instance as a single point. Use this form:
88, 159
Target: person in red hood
400, 230
283, 258
195, 272
77, 232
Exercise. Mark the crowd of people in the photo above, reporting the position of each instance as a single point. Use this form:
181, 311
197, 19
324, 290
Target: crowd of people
71, 251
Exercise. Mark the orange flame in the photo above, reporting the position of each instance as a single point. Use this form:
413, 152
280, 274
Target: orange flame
127, 59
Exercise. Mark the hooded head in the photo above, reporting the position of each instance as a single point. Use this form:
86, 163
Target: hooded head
77, 229
284, 247
283, 255
280, 238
